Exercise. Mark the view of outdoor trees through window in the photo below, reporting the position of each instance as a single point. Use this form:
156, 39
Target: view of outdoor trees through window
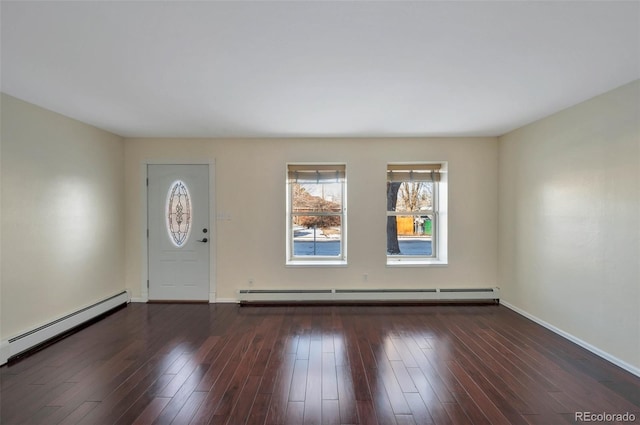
410, 211
317, 218
316, 212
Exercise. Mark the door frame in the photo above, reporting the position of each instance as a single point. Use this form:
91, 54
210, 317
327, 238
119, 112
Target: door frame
144, 257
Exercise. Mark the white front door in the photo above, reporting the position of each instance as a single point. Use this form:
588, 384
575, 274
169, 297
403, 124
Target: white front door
179, 232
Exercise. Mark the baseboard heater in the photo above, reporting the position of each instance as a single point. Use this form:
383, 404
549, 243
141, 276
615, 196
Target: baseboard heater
42, 335
337, 296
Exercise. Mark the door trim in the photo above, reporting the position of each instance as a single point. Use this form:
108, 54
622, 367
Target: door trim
142, 237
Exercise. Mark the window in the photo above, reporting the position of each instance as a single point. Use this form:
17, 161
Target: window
316, 225
415, 228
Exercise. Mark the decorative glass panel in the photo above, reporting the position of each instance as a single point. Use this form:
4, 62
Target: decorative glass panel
178, 213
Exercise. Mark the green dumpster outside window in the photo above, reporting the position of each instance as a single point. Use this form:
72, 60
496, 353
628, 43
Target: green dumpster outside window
427, 227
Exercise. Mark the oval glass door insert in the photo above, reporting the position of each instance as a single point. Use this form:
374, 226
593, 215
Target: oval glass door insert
179, 213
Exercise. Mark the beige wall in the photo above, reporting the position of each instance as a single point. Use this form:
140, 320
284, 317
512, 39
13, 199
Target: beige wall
250, 186
4, 349
562, 243
62, 216
569, 219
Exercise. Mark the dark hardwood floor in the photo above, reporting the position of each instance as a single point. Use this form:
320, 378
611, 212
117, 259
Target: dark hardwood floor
225, 364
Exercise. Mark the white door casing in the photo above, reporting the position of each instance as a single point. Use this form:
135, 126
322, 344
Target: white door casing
178, 262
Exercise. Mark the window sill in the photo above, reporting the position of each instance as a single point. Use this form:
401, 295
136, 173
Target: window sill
416, 262
316, 263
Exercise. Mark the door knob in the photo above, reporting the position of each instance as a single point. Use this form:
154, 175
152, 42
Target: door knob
203, 240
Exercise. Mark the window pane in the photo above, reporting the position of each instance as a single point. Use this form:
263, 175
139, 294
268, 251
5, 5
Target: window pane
410, 235
315, 197
316, 235
410, 196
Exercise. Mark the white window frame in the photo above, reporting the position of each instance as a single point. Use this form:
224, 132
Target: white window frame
439, 229
315, 260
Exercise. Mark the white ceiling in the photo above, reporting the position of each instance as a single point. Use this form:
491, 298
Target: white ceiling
305, 68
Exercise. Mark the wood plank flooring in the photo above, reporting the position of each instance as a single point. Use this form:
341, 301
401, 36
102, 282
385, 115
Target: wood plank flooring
335, 365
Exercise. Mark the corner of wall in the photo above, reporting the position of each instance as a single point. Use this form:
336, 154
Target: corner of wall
595, 350
550, 174
4, 352
45, 152
4, 345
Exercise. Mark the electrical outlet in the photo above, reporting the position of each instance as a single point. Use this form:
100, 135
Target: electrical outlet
365, 277
250, 281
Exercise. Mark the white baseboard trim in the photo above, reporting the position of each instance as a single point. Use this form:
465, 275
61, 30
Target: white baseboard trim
138, 300
31, 338
595, 350
488, 294
211, 301
227, 301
